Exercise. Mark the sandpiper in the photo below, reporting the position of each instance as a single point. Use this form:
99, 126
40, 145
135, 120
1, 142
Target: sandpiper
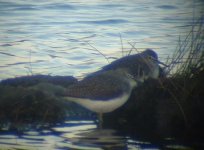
109, 88
102, 93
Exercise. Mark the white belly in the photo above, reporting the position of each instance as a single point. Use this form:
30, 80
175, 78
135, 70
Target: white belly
101, 106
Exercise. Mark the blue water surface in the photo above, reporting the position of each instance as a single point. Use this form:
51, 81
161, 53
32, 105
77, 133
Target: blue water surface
79, 134
61, 37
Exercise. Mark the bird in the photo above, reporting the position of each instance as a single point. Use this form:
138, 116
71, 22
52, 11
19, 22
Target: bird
142, 66
102, 93
109, 88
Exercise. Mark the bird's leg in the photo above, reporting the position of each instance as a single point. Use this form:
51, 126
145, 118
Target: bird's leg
100, 117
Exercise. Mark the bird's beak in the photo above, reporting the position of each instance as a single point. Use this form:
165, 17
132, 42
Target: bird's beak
159, 62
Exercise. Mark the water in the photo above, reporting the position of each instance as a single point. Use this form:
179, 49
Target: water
61, 37
57, 37
78, 135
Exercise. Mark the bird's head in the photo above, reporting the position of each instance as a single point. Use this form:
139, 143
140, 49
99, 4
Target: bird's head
151, 56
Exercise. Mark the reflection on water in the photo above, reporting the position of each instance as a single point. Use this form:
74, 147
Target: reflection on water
76, 134
96, 139
72, 134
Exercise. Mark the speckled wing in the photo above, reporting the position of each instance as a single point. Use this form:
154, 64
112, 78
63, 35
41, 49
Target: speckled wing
99, 87
135, 63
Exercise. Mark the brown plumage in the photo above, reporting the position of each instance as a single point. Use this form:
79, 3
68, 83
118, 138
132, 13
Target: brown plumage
104, 86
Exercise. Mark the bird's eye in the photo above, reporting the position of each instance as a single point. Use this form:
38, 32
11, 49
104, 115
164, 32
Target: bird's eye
149, 57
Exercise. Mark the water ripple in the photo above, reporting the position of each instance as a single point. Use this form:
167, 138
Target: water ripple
60, 6
105, 22
167, 7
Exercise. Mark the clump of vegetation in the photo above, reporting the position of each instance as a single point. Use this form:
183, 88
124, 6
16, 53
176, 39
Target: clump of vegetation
172, 105
33, 100
186, 73
185, 85
23, 104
